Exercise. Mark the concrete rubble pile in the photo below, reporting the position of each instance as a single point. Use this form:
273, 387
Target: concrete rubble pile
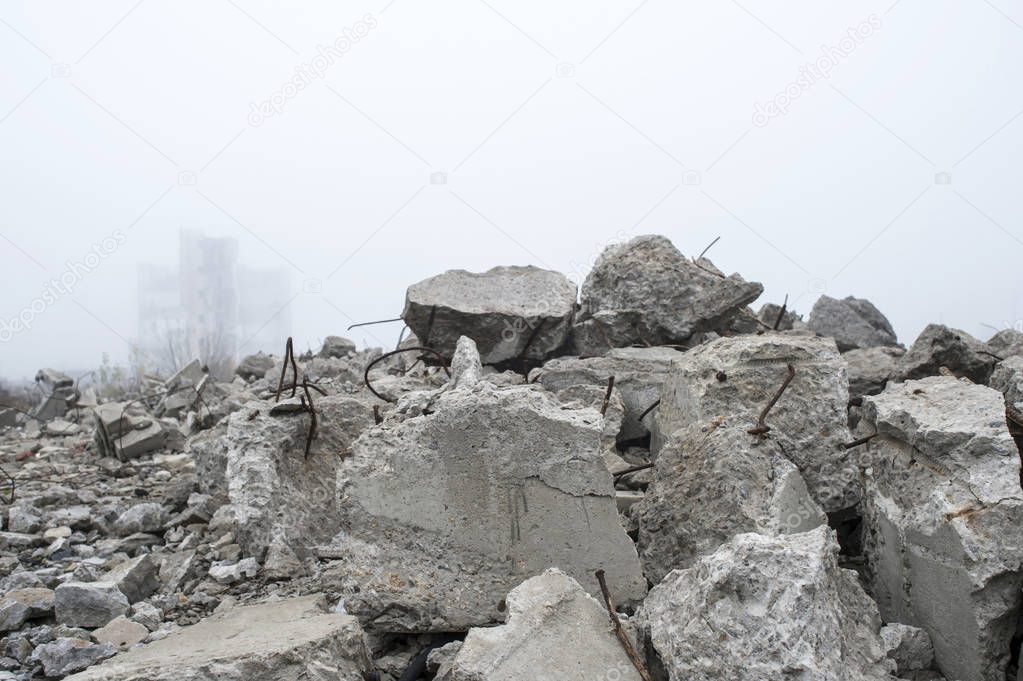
640, 478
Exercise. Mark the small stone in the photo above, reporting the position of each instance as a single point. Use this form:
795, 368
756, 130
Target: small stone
337, 346
121, 633
230, 573
69, 655
910, 647
146, 517
137, 578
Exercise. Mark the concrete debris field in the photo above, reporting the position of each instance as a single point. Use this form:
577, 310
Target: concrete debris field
638, 478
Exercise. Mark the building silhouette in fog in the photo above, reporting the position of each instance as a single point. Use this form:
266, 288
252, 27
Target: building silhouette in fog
209, 306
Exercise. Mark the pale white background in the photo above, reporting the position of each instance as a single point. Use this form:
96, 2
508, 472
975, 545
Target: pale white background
104, 104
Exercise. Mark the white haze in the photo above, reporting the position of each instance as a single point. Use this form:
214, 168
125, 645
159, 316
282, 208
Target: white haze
104, 104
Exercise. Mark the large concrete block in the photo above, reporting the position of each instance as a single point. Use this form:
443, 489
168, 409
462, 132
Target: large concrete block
639, 374
646, 292
444, 513
766, 608
555, 630
287, 639
713, 481
739, 376
511, 312
943, 512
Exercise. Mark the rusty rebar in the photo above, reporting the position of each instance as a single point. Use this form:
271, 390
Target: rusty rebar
289, 355
649, 409
379, 321
623, 638
781, 312
418, 348
607, 395
704, 251
861, 441
762, 428
312, 416
633, 469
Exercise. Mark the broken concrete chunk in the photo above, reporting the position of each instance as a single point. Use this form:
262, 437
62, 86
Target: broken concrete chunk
939, 346
852, 322
1007, 378
769, 315
639, 374
58, 391
282, 501
336, 346
443, 514
254, 366
184, 390
713, 481
646, 292
88, 604
1006, 343
466, 366
286, 639
943, 514
511, 312
739, 376
766, 608
870, 369
124, 435
909, 647
554, 630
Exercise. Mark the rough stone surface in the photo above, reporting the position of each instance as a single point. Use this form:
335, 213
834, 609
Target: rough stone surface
1007, 378
20, 605
254, 366
1006, 343
121, 633
137, 578
283, 502
909, 647
554, 630
646, 292
714, 481
769, 312
766, 608
88, 604
852, 322
639, 374
943, 513
443, 514
69, 655
466, 365
510, 312
939, 346
811, 414
145, 517
337, 346
287, 639
870, 369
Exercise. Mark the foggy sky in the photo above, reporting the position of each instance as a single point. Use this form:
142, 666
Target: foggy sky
560, 127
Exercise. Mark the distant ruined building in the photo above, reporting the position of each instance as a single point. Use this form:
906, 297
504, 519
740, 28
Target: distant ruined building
209, 306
